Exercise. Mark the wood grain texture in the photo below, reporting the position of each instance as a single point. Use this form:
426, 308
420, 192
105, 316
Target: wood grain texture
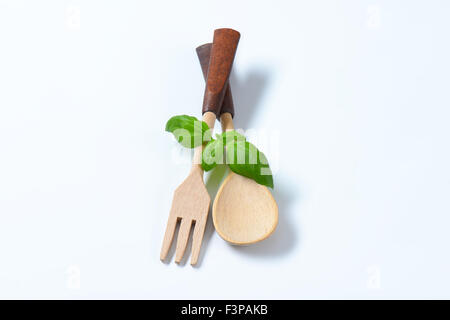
203, 53
244, 212
221, 60
190, 206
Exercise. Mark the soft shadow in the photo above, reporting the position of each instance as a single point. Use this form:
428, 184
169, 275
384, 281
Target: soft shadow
286, 236
213, 182
247, 94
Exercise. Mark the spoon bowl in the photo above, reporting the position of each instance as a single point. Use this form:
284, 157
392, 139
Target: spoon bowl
244, 212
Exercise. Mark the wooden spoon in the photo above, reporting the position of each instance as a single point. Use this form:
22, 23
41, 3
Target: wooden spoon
244, 212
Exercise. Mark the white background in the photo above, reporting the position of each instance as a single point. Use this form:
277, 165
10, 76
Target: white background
357, 93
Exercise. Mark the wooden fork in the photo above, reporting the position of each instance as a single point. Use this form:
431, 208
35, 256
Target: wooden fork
191, 200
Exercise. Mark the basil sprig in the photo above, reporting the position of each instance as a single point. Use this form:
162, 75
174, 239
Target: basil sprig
230, 147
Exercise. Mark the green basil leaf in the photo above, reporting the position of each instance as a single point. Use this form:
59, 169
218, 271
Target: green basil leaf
212, 154
245, 159
231, 135
208, 155
188, 131
242, 157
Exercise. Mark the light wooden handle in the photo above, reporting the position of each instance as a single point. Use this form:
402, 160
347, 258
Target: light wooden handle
210, 119
226, 120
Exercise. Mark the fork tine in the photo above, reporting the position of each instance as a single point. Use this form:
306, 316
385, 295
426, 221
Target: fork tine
183, 236
168, 236
199, 231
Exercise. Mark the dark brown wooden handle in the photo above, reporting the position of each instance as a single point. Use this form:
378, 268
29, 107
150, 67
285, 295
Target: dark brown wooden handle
221, 59
203, 53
